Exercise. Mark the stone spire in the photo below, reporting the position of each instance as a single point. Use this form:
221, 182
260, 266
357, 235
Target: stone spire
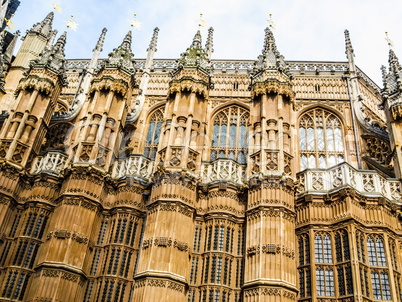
195, 56
349, 52
271, 59
122, 56
44, 27
394, 65
2, 80
53, 58
154, 40
99, 45
210, 42
8, 54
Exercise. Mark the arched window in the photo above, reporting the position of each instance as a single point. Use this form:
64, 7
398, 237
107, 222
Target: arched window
153, 134
230, 134
321, 143
376, 252
323, 249
342, 246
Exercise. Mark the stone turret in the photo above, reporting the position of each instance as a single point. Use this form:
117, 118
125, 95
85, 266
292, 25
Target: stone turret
392, 104
210, 43
271, 225
35, 41
37, 95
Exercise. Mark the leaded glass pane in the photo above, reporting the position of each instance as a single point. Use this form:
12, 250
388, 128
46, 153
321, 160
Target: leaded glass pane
361, 281
327, 249
213, 155
330, 140
362, 249
222, 141
150, 133
371, 252
341, 282
386, 290
157, 133
308, 282
329, 278
381, 253
320, 139
307, 249
215, 136
338, 247
318, 249
367, 284
340, 159
338, 139
240, 158
320, 282
231, 155
232, 138
345, 241
303, 162
310, 139
301, 284
358, 247
301, 251
375, 283
302, 133
221, 154
331, 161
321, 162
349, 280
311, 161
242, 136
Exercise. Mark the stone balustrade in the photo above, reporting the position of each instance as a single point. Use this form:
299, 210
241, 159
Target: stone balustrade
53, 162
367, 182
223, 170
136, 166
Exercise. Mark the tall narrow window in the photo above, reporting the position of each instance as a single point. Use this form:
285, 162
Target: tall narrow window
219, 270
380, 253
319, 257
371, 252
320, 137
230, 134
216, 234
221, 236
320, 282
213, 269
327, 250
375, 283
154, 132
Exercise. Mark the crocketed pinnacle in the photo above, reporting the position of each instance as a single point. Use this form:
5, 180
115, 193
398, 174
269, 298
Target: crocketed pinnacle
210, 42
99, 45
394, 65
122, 56
197, 40
271, 59
269, 42
53, 58
44, 27
348, 43
154, 40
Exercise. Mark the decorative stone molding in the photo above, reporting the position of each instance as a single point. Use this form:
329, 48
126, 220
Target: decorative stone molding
69, 277
181, 246
64, 234
175, 286
108, 82
35, 82
50, 273
156, 283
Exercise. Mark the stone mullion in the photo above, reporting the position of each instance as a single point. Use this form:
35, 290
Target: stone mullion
354, 262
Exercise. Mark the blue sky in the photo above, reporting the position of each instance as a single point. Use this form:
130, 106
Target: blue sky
305, 30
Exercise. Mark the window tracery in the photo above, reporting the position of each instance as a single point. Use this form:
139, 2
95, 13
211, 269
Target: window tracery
153, 134
321, 141
230, 134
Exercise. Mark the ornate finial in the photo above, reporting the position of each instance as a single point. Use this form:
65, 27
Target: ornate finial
135, 23
389, 41
154, 40
394, 65
201, 22
197, 40
61, 41
269, 42
348, 43
99, 45
121, 57
210, 42
271, 23
71, 24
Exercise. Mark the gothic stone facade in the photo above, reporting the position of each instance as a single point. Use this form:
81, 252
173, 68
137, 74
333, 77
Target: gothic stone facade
197, 179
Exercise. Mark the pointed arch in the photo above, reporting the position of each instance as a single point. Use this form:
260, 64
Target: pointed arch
230, 131
155, 120
321, 139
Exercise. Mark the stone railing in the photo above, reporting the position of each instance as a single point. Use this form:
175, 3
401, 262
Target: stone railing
135, 165
367, 182
223, 170
53, 162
